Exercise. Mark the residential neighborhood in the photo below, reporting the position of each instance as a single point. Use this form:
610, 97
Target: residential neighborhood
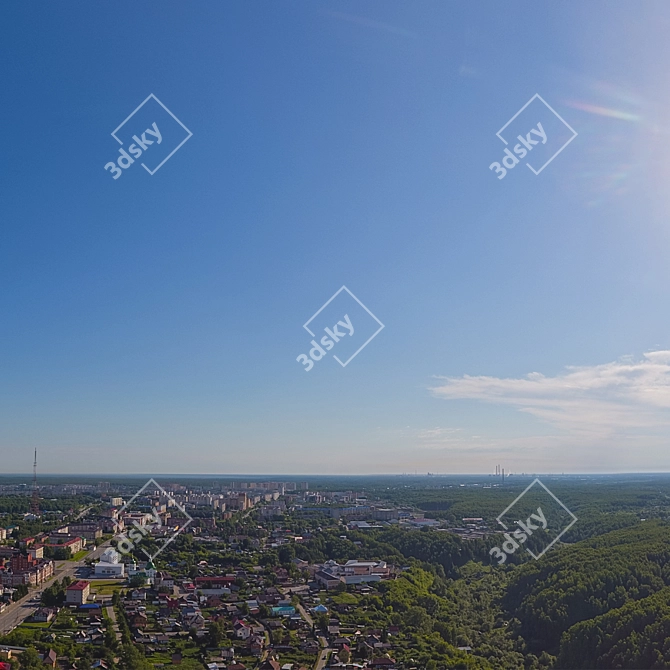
223, 578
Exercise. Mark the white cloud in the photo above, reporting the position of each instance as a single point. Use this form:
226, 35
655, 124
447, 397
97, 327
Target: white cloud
623, 398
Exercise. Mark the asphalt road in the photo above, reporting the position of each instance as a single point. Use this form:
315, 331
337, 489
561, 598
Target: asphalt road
323, 657
325, 649
305, 615
17, 612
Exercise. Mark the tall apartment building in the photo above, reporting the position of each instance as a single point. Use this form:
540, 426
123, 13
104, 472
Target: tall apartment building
28, 570
78, 592
89, 531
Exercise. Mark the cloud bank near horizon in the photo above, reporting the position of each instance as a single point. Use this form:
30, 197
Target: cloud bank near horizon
624, 403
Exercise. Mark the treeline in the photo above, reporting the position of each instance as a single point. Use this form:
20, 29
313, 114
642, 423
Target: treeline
635, 636
442, 599
54, 595
410, 602
397, 546
593, 523
444, 549
20, 504
586, 580
645, 497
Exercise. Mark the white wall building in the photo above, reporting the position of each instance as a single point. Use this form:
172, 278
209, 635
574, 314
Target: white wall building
109, 565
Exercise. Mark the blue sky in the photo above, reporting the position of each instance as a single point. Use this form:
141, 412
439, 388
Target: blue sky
152, 323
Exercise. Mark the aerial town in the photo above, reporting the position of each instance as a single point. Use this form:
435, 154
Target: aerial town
237, 575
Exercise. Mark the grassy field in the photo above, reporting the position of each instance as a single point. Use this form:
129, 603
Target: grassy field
79, 555
189, 661
107, 589
65, 621
29, 624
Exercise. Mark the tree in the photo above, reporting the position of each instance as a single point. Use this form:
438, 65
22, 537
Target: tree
86, 658
132, 659
364, 651
417, 618
110, 639
30, 660
55, 594
286, 553
322, 621
136, 581
20, 592
216, 631
447, 632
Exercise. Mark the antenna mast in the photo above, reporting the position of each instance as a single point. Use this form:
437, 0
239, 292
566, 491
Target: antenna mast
35, 499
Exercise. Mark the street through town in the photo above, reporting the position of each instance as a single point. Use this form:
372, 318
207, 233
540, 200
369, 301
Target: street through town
19, 611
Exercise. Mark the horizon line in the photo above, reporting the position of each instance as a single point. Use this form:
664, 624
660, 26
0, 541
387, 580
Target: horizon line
374, 474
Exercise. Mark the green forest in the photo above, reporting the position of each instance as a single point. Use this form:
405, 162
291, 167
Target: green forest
599, 599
